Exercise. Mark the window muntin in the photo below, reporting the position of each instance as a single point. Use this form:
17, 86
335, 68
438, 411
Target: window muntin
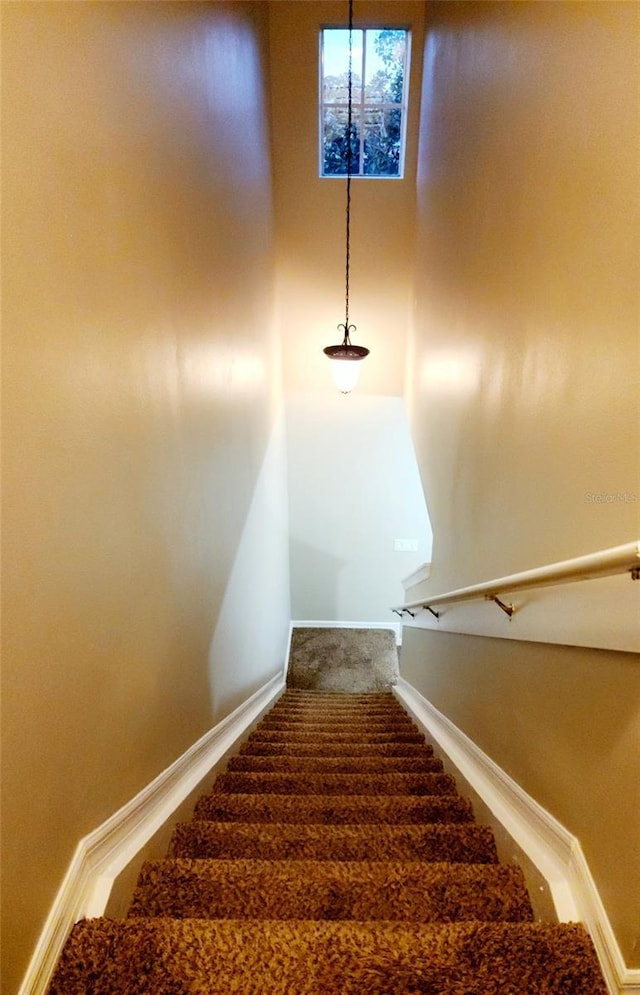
379, 95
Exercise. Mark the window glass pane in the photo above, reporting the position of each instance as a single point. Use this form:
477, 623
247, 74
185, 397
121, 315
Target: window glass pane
385, 55
335, 65
382, 138
378, 92
334, 143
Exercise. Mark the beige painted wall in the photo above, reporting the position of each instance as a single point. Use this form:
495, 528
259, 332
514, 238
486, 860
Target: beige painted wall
143, 465
310, 212
526, 353
524, 393
564, 723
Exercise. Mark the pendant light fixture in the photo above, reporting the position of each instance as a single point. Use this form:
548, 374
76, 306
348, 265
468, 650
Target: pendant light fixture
346, 357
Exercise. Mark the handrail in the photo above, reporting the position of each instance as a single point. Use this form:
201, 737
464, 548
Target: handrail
604, 563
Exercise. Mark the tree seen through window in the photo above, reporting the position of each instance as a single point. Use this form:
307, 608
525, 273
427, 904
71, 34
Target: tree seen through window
379, 72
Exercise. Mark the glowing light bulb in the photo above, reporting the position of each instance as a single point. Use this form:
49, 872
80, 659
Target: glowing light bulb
345, 374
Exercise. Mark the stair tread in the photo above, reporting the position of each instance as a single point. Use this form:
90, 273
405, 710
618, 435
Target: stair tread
329, 717
333, 856
145, 956
327, 748
338, 729
311, 708
310, 889
302, 694
335, 716
390, 809
246, 782
338, 765
344, 736
448, 841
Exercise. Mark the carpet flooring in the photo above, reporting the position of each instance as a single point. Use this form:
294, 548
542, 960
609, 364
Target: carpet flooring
334, 659
333, 856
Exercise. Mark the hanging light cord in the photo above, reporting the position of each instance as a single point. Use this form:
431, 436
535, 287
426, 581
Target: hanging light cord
348, 328
348, 351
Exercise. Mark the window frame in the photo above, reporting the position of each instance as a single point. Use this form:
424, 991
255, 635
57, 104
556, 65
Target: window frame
361, 105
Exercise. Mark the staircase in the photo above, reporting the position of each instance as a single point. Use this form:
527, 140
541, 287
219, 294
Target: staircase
334, 856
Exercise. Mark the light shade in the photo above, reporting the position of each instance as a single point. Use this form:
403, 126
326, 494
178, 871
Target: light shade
345, 364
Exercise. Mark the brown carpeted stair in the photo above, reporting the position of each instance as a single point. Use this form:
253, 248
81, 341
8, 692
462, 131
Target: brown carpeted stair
334, 856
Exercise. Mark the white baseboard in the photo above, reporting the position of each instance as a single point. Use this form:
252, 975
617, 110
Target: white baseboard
553, 849
100, 856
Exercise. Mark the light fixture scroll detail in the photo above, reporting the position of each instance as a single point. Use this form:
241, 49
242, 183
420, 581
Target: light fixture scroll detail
346, 357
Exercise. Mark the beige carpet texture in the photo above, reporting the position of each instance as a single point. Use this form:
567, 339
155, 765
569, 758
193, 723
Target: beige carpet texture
353, 660
334, 856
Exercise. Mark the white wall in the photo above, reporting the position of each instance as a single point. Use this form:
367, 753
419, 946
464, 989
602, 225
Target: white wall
252, 627
353, 488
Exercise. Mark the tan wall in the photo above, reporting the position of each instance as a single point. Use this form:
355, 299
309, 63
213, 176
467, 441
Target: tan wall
564, 723
525, 387
140, 390
525, 381
310, 212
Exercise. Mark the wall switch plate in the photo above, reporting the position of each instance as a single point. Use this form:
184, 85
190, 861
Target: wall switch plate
405, 545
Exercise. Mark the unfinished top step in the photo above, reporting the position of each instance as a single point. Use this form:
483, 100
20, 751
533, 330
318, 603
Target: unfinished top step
343, 660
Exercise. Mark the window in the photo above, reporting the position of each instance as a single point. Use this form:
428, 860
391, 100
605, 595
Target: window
379, 76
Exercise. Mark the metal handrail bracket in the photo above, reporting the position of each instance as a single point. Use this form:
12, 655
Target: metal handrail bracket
605, 563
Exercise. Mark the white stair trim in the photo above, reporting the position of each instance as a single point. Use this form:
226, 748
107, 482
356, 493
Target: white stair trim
553, 849
102, 854
422, 573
